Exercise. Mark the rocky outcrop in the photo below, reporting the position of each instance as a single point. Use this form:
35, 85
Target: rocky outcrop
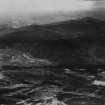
10, 57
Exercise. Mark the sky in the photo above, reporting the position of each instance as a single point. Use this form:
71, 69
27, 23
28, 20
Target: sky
43, 6
23, 9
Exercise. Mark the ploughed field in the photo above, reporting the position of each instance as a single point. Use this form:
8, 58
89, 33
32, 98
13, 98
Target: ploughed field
26, 80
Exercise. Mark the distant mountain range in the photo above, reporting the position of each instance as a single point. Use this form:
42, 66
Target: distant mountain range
85, 27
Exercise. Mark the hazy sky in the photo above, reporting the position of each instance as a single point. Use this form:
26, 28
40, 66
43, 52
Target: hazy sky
43, 6
16, 8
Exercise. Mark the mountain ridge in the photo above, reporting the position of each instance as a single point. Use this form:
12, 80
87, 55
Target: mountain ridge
64, 30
